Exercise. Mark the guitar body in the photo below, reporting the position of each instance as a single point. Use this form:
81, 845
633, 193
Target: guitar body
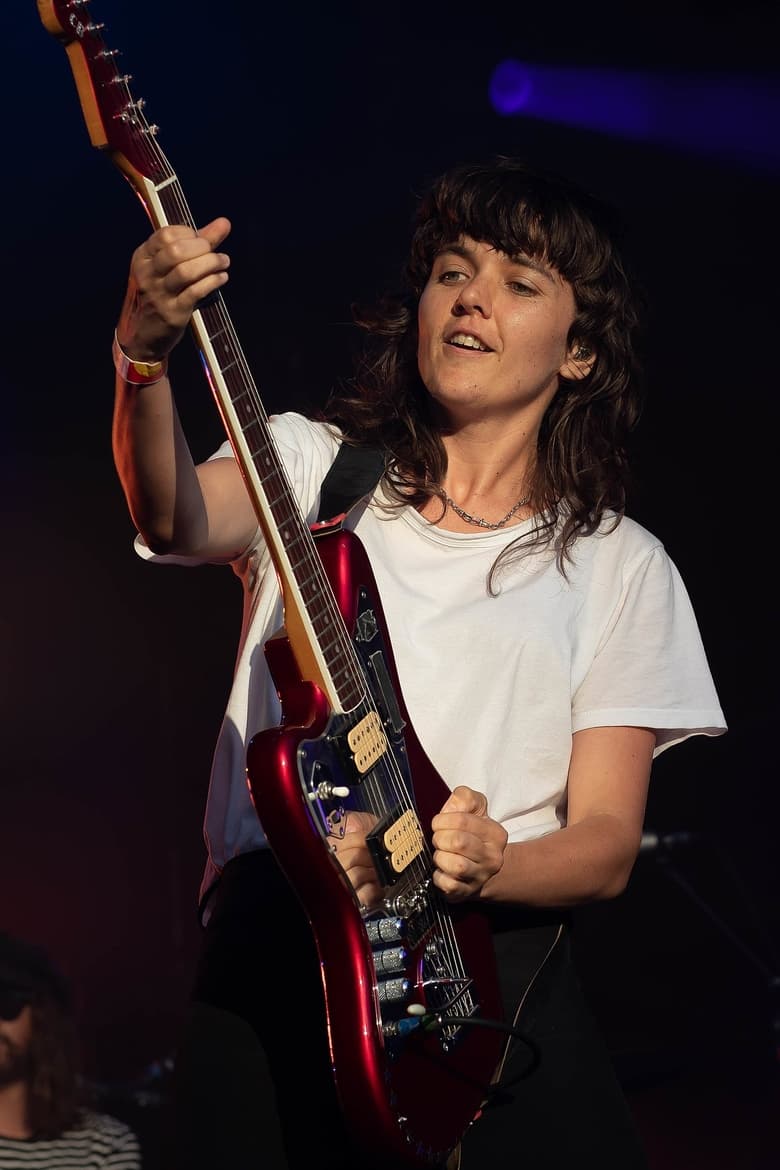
407, 1097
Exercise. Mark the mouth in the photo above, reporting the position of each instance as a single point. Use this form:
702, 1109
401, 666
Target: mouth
468, 341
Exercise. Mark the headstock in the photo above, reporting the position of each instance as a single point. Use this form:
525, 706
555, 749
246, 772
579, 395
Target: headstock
115, 119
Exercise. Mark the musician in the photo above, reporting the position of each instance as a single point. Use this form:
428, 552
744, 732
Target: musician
545, 645
46, 1122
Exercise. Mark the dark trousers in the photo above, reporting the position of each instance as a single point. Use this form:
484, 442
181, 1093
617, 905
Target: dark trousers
253, 1088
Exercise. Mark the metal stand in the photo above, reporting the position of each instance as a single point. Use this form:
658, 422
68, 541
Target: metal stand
664, 847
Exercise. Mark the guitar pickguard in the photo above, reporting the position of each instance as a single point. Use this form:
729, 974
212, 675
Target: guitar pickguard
416, 970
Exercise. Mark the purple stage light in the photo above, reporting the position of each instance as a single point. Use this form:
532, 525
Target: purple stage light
510, 87
730, 117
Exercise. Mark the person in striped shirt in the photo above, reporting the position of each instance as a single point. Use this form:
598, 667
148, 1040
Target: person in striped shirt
45, 1123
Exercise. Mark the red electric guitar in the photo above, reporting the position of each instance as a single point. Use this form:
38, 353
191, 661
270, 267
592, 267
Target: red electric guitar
406, 986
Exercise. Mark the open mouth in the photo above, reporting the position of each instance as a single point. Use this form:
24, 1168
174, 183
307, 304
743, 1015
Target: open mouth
468, 341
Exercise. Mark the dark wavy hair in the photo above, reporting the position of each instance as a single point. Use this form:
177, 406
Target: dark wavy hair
55, 1099
581, 467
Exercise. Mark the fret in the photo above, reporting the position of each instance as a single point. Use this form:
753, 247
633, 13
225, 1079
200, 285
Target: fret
226, 369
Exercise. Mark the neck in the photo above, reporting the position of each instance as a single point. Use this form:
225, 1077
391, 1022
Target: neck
13, 1111
489, 468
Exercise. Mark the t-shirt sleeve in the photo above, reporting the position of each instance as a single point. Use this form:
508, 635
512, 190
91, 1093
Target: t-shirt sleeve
650, 668
306, 449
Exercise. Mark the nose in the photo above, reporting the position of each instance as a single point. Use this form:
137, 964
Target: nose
474, 297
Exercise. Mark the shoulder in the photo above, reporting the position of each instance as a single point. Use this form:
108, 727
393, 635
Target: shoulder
622, 556
625, 543
109, 1135
298, 436
103, 1123
296, 432
629, 533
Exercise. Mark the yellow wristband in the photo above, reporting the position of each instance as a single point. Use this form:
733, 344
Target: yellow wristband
137, 373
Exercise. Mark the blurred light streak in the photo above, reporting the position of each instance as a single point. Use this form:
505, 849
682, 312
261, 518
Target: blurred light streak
732, 117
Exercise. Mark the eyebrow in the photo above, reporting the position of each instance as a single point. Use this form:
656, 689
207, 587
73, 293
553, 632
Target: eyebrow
519, 258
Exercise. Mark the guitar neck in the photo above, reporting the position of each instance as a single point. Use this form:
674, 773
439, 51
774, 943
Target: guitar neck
117, 125
313, 624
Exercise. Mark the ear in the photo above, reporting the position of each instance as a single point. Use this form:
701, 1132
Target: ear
580, 360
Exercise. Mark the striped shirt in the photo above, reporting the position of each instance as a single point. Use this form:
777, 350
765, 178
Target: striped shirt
97, 1142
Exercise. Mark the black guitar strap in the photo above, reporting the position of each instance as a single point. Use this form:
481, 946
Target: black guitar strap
353, 474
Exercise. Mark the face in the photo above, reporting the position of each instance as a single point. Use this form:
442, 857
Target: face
493, 333
15, 1038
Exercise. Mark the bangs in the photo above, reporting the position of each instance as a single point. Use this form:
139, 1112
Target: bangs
516, 211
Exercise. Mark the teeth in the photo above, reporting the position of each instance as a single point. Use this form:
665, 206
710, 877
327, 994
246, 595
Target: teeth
467, 341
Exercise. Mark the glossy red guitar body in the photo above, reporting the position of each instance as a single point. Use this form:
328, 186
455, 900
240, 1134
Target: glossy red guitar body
407, 1098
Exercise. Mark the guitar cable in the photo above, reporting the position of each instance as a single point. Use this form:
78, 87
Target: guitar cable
435, 1021
498, 1090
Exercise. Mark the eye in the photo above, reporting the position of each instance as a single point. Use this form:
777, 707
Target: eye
450, 276
520, 287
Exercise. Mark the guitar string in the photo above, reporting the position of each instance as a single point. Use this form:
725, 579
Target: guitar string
171, 187
314, 563
375, 799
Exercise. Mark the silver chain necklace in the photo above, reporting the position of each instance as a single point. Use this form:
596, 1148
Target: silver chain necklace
480, 523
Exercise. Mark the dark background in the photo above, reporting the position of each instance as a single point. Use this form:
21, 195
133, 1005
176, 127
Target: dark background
313, 128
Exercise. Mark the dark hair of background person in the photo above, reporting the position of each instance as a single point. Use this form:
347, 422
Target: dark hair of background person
55, 1090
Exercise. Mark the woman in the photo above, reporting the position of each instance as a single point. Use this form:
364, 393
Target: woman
545, 645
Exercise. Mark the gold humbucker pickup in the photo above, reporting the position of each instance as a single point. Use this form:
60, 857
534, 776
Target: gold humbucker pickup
367, 742
394, 843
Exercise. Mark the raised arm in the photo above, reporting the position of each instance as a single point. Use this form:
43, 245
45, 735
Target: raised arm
177, 506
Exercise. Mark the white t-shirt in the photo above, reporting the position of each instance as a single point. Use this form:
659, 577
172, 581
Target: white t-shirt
495, 686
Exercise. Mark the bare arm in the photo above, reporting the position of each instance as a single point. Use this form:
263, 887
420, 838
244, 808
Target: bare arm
176, 505
591, 858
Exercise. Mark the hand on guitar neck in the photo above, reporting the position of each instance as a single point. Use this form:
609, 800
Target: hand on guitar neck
171, 272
